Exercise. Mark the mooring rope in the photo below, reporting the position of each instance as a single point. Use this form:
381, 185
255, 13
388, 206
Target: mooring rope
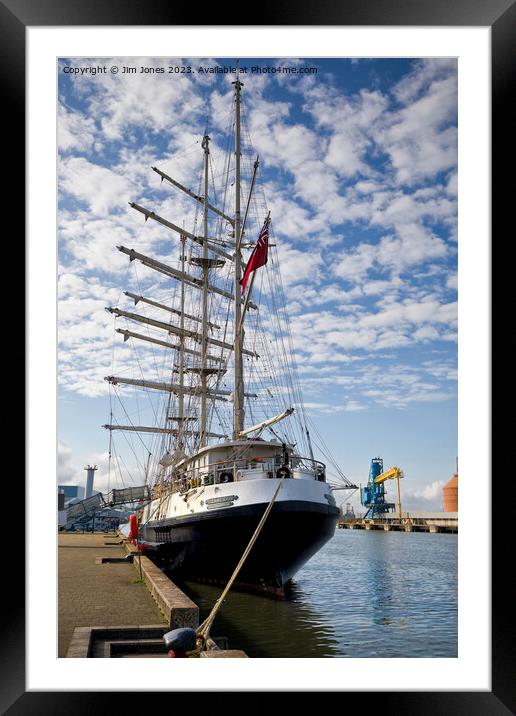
204, 629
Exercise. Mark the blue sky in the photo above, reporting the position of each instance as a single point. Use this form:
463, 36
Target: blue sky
359, 167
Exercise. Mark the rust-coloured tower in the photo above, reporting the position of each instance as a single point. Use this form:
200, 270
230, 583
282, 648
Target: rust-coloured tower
451, 494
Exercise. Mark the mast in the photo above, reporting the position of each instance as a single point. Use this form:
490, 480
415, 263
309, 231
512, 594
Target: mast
205, 267
181, 397
238, 392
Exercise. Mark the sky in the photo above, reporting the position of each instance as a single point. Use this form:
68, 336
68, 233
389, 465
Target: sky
358, 161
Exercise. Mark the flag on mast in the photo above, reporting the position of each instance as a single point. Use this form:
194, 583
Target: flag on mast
259, 256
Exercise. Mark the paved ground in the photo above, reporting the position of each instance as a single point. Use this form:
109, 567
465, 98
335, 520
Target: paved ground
92, 594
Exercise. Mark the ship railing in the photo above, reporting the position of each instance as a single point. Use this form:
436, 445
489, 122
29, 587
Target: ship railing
197, 476
226, 471
202, 475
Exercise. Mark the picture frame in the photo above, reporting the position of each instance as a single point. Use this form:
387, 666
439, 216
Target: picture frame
500, 16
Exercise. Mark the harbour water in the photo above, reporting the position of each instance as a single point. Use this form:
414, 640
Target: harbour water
365, 594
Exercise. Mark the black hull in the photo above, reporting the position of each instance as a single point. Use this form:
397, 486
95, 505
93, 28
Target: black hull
208, 546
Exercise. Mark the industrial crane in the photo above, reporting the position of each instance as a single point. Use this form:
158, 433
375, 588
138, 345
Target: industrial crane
373, 495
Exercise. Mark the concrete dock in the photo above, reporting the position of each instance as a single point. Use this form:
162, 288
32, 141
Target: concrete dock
112, 602
91, 594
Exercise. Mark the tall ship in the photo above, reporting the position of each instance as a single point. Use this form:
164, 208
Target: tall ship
228, 419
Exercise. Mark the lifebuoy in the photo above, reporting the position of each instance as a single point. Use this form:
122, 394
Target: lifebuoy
283, 471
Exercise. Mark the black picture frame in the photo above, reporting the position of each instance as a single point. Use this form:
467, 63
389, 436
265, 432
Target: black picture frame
500, 16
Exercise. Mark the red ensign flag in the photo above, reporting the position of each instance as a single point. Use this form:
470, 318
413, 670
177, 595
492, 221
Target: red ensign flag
259, 256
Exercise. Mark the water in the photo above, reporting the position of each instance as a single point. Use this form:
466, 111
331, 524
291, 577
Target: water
365, 594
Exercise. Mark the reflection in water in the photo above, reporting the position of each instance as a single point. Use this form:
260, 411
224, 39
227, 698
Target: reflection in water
383, 586
264, 627
365, 594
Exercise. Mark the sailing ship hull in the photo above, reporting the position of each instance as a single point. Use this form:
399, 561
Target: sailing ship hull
207, 547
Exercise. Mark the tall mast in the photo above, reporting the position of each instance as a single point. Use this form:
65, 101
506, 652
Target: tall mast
205, 267
181, 367
238, 392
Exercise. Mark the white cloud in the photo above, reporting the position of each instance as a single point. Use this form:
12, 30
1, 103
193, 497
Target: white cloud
75, 131
424, 73
452, 186
65, 470
413, 245
126, 100
452, 281
353, 406
425, 497
426, 333
353, 265
421, 138
297, 266
101, 189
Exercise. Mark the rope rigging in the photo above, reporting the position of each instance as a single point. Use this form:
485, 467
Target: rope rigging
272, 377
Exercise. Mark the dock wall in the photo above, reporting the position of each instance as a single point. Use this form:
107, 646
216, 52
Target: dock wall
177, 608
431, 526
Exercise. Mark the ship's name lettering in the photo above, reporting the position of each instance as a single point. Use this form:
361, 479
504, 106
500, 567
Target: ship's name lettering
221, 500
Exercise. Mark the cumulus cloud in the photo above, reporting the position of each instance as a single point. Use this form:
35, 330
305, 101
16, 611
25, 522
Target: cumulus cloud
425, 497
421, 138
75, 131
132, 100
99, 188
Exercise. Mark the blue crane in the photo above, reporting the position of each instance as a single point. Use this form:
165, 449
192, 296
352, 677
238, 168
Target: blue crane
373, 495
